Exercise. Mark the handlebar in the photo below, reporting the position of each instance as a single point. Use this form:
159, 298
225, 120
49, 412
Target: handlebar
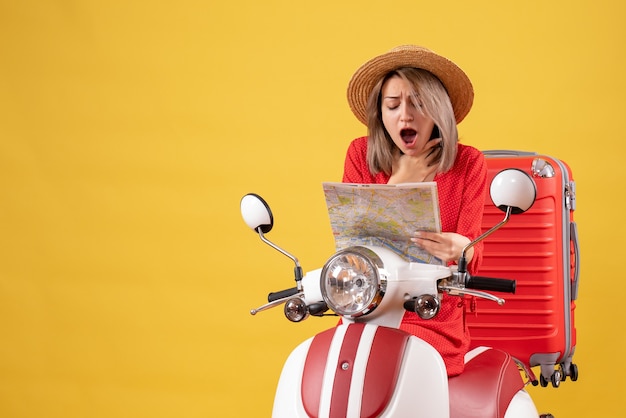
273, 296
491, 284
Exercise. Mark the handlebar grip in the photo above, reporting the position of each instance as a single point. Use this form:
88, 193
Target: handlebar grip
491, 284
282, 294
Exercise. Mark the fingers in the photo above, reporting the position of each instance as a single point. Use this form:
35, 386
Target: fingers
446, 246
434, 156
433, 145
422, 235
435, 152
431, 246
437, 244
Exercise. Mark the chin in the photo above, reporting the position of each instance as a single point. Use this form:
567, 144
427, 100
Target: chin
409, 151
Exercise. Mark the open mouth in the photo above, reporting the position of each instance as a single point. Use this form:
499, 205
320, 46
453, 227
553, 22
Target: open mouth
408, 135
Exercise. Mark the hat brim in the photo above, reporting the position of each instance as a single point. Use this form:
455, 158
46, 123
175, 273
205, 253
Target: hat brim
455, 81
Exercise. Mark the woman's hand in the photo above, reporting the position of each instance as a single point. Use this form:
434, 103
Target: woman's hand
416, 168
446, 246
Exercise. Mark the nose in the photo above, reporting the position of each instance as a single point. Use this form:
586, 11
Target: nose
405, 113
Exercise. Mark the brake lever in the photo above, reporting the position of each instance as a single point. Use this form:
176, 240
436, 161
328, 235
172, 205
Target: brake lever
460, 291
275, 303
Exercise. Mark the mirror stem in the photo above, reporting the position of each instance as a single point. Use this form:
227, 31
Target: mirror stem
463, 260
297, 269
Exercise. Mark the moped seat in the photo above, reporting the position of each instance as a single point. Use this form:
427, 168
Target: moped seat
486, 386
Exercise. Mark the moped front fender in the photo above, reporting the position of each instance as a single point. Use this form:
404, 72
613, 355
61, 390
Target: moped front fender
345, 359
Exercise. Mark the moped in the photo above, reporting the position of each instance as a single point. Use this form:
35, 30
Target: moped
367, 366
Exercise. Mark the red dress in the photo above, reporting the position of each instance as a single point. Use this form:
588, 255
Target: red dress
461, 198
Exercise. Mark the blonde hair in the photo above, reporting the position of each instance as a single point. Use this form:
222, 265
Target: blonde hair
435, 103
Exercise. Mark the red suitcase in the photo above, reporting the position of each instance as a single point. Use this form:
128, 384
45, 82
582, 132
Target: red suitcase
539, 249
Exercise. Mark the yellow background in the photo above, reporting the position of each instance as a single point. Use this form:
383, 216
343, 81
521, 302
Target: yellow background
129, 130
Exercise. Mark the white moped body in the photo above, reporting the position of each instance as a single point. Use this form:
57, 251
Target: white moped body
421, 388
371, 368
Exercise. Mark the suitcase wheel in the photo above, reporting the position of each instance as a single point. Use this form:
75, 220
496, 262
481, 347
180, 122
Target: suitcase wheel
555, 379
573, 372
570, 370
558, 375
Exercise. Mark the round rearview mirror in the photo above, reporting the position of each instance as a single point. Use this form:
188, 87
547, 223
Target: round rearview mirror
256, 213
513, 188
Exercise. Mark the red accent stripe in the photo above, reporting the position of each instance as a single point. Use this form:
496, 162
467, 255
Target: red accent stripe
383, 367
313, 373
343, 378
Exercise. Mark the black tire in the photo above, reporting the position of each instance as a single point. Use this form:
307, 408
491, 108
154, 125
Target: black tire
573, 372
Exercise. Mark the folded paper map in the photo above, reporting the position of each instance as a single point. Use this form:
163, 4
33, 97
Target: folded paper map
383, 215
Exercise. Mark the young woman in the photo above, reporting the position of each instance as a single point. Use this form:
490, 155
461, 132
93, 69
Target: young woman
411, 100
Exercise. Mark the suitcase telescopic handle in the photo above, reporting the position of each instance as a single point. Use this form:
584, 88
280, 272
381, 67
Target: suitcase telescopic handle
491, 284
574, 238
507, 153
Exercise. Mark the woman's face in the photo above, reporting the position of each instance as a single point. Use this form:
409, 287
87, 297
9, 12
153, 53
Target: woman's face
408, 127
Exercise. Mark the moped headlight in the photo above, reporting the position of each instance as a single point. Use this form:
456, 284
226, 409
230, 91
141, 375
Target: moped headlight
351, 282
